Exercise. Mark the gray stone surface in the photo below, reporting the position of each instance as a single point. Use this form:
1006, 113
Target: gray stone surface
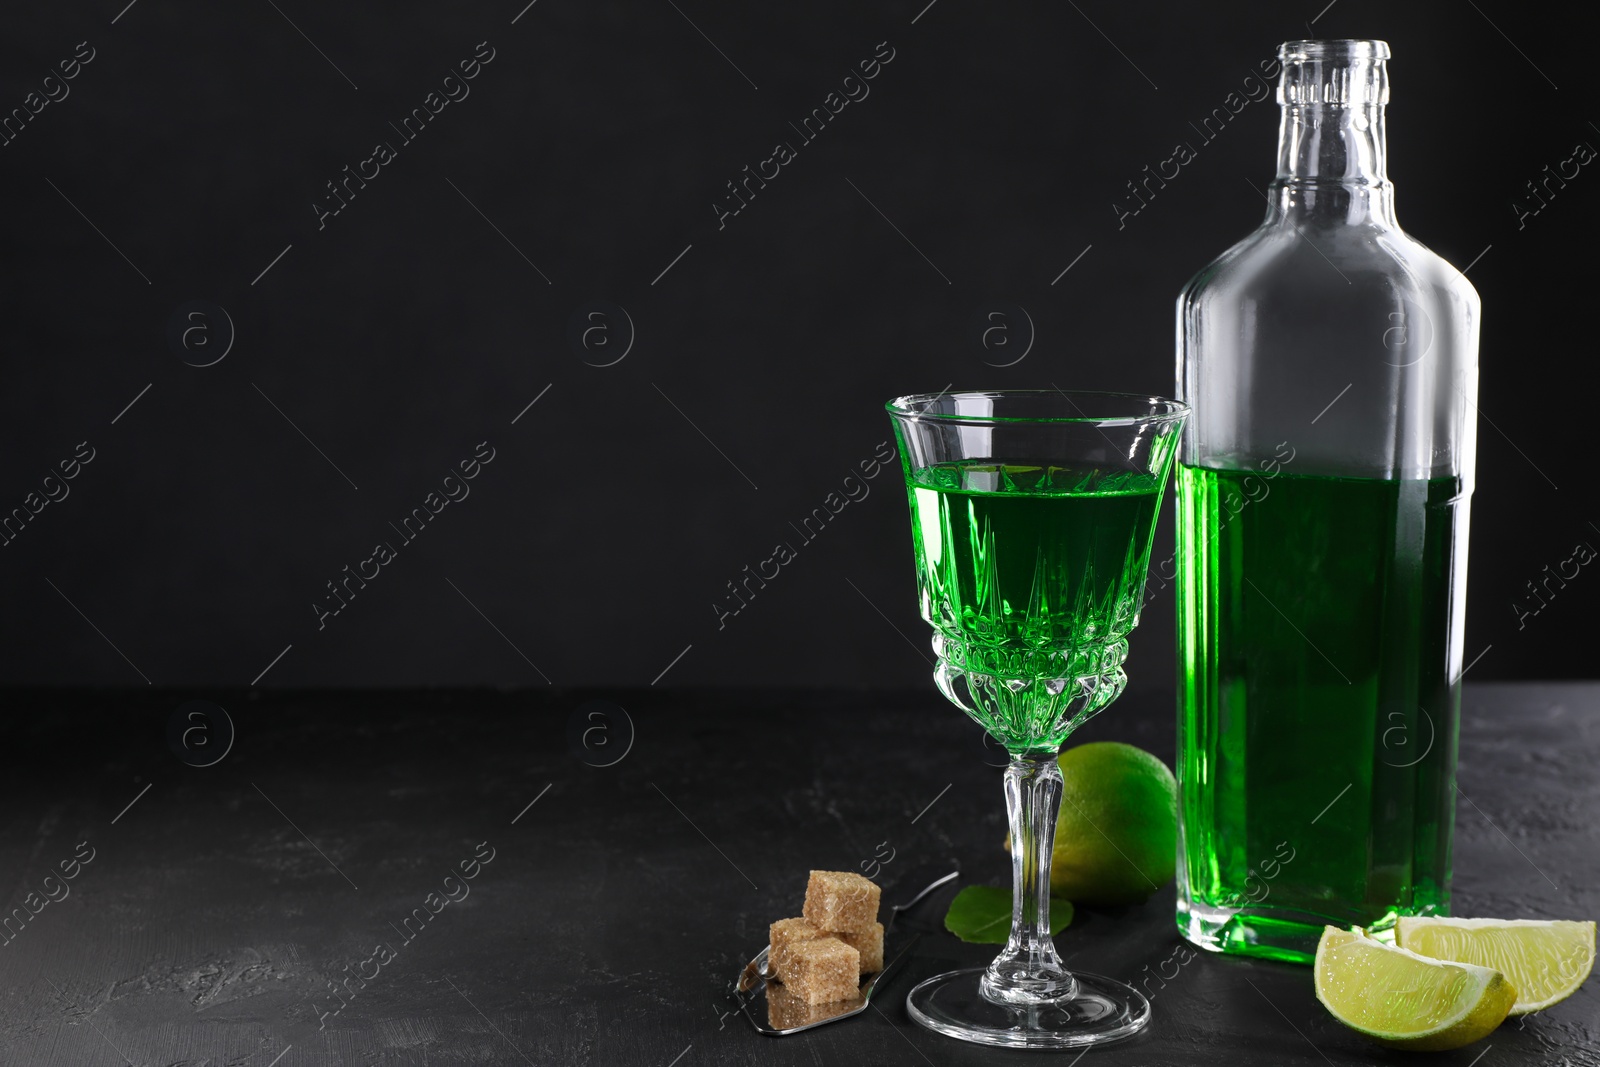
219, 906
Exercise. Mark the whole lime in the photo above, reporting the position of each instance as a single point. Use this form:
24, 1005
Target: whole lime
1117, 835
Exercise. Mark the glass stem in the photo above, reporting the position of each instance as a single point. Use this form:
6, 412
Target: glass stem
1028, 971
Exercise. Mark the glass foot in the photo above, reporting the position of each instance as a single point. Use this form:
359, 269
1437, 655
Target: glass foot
1104, 1010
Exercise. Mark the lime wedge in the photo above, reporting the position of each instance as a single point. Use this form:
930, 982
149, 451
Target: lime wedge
1404, 1000
1545, 961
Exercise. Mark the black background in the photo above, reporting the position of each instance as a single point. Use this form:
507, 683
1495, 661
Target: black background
408, 330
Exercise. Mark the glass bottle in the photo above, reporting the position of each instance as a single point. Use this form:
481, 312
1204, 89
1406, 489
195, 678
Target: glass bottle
1323, 488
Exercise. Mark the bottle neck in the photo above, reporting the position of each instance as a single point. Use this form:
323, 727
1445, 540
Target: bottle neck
1332, 167
1331, 152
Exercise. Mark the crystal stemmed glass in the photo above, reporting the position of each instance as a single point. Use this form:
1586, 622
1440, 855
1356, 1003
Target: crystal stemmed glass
1032, 513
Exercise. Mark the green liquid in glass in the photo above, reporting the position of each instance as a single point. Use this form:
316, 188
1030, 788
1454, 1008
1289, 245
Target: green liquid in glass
1317, 721
1031, 577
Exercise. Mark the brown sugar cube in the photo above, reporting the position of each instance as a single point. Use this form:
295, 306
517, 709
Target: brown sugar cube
840, 900
869, 943
786, 1011
784, 935
824, 969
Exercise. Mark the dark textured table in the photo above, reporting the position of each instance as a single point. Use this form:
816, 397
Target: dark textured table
211, 909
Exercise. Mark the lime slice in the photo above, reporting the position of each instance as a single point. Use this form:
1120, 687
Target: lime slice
1404, 1000
1545, 961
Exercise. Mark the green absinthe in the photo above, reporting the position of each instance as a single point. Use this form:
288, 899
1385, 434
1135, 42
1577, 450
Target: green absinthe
1031, 576
1318, 719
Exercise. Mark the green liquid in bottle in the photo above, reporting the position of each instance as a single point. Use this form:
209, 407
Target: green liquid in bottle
1031, 577
1318, 719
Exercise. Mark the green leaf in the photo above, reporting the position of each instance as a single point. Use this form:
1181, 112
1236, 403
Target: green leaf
981, 915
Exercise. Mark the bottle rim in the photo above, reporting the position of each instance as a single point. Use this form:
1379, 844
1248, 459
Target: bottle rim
1346, 49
